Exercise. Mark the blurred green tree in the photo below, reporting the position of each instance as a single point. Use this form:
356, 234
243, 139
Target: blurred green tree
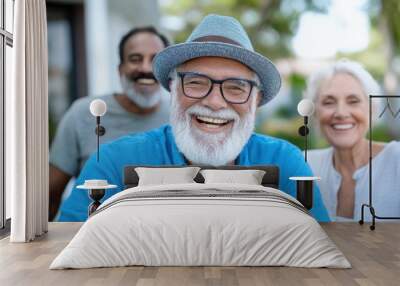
271, 24
385, 18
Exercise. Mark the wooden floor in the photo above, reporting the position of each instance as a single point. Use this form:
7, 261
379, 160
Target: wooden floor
374, 255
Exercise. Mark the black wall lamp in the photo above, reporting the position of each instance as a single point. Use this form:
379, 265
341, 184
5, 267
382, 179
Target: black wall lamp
305, 108
98, 108
305, 184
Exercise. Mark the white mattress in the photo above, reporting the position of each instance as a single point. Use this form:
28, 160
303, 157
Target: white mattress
189, 230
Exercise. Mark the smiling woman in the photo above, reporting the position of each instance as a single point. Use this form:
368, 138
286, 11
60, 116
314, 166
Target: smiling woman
340, 93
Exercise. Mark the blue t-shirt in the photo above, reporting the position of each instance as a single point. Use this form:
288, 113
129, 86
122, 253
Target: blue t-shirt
158, 147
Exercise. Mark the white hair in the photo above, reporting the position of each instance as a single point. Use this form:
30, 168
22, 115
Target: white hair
368, 83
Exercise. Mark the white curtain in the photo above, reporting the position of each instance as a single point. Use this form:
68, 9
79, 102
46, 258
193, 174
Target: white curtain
27, 124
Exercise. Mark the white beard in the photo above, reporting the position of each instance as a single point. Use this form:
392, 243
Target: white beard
200, 147
141, 100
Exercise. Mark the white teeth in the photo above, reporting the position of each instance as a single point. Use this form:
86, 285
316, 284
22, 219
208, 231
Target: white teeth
343, 126
146, 81
211, 126
212, 120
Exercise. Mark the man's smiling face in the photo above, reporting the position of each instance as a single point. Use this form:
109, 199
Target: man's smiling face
136, 72
211, 130
219, 69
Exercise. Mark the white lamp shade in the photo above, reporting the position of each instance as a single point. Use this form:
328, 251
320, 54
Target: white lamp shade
98, 107
305, 107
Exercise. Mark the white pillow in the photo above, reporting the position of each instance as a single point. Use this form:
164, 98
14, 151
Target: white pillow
248, 177
165, 176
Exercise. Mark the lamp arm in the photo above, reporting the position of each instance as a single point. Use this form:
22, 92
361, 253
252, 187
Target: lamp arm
306, 147
98, 136
306, 137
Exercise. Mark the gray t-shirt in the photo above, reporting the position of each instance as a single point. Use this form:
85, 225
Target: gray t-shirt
76, 140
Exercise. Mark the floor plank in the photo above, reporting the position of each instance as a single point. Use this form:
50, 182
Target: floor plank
374, 255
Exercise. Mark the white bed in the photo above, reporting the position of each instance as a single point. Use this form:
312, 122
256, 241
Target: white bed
201, 224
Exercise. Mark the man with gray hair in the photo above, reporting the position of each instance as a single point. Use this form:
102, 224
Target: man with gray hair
216, 82
142, 105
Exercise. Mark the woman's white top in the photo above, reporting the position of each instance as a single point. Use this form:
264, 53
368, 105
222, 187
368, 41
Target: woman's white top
385, 182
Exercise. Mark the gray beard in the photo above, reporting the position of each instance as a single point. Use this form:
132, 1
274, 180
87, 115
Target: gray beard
200, 147
142, 100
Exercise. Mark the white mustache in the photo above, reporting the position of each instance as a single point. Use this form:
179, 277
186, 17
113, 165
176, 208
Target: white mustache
199, 110
201, 147
142, 100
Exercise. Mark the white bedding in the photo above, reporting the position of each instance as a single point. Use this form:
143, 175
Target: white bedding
182, 230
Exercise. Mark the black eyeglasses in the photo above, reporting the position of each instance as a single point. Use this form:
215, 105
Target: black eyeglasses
233, 90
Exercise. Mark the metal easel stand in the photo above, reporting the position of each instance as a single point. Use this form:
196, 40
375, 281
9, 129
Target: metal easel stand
370, 205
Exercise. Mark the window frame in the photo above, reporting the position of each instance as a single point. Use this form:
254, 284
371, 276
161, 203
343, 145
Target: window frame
6, 39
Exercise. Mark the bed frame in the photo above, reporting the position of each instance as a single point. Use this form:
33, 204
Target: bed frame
270, 179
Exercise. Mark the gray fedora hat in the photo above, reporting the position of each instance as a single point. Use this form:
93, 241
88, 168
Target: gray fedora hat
219, 36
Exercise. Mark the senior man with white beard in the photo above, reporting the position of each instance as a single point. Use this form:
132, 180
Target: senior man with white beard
216, 82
